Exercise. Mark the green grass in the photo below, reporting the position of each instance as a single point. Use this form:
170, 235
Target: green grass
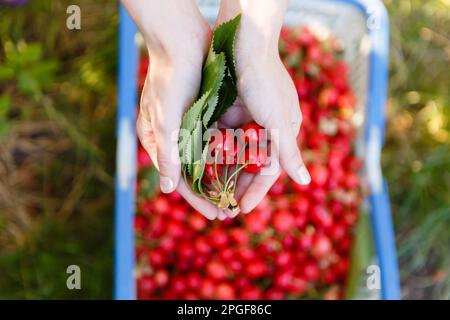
416, 156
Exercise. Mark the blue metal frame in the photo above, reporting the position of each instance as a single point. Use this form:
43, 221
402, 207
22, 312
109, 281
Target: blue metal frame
379, 199
126, 160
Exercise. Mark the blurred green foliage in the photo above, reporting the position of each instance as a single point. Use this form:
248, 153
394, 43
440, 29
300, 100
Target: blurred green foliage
57, 106
65, 81
416, 158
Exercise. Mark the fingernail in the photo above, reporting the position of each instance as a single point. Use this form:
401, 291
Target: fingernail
222, 216
303, 175
165, 184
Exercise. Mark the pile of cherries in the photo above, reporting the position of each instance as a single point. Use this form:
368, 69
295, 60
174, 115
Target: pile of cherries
296, 243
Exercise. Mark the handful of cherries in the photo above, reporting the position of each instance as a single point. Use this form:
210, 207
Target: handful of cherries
231, 151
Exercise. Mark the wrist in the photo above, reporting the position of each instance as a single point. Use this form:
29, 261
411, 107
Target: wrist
260, 25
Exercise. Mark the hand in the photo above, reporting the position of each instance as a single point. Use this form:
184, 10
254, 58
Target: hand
178, 39
266, 90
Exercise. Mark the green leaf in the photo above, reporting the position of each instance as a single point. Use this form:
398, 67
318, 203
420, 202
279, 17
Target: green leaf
191, 116
212, 77
227, 96
199, 168
223, 41
213, 72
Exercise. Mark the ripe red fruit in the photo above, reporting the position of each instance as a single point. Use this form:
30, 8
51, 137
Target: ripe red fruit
207, 289
256, 160
219, 238
161, 277
209, 175
216, 270
283, 221
321, 246
298, 285
145, 286
274, 294
283, 259
161, 205
253, 134
320, 217
225, 291
239, 236
255, 224
256, 269
194, 280
143, 158
197, 222
225, 145
157, 258
283, 279
178, 212
251, 293
202, 245
337, 231
319, 175
311, 271
140, 224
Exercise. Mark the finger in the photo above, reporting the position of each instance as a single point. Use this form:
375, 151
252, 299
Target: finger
165, 107
289, 154
207, 209
231, 213
221, 215
242, 185
260, 185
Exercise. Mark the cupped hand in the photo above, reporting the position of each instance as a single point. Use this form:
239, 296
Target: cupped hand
266, 91
178, 38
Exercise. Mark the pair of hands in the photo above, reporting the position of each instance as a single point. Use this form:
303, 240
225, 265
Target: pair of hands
178, 38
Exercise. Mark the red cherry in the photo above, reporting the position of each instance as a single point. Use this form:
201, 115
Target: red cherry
225, 291
321, 247
161, 277
143, 158
283, 221
239, 236
216, 270
320, 217
274, 294
178, 212
256, 160
298, 285
219, 238
140, 223
256, 269
251, 293
209, 175
207, 289
194, 280
319, 175
197, 222
283, 259
311, 271
157, 258
145, 286
225, 144
253, 134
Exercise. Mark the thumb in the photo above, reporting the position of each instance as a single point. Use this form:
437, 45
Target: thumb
290, 157
168, 159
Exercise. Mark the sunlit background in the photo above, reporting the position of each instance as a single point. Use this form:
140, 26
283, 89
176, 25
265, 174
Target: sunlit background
57, 146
